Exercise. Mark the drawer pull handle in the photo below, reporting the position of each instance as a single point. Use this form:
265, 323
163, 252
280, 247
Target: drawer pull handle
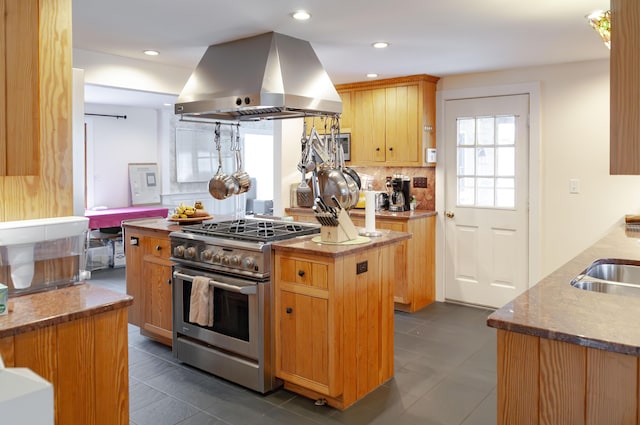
289, 310
301, 273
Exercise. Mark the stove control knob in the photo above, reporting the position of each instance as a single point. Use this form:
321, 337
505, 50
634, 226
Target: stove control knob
235, 260
178, 251
206, 255
190, 253
225, 260
217, 257
248, 263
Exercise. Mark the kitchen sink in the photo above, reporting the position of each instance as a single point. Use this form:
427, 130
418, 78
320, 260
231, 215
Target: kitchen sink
610, 276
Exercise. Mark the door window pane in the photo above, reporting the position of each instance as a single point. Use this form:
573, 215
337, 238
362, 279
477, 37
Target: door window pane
486, 161
466, 131
506, 128
466, 161
466, 191
506, 161
505, 193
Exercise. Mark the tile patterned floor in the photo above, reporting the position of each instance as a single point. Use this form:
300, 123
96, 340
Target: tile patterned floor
445, 374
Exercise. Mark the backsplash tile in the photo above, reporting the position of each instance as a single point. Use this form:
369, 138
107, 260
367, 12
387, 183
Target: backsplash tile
424, 196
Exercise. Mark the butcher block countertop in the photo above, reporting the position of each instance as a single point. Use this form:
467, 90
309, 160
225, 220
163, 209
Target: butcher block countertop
48, 308
553, 309
305, 244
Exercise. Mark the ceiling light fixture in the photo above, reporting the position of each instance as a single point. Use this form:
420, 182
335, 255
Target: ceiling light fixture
301, 15
372, 75
380, 44
151, 52
601, 22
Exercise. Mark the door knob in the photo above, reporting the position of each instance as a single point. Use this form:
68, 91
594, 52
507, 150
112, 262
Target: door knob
449, 214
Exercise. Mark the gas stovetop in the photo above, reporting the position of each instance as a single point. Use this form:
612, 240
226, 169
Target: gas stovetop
253, 230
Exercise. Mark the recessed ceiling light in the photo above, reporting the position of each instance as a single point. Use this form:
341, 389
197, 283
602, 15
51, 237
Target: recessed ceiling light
151, 52
301, 15
372, 75
380, 44
167, 104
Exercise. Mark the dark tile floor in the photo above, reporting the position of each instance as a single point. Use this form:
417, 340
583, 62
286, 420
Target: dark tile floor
445, 374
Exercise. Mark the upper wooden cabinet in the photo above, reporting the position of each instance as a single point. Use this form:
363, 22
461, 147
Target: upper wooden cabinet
36, 163
19, 118
625, 87
391, 121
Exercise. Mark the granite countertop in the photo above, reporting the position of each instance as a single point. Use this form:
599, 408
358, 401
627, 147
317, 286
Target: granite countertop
161, 224
358, 212
554, 309
305, 244
48, 308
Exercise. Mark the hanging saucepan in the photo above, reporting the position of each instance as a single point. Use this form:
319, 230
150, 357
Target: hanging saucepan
242, 178
331, 182
221, 186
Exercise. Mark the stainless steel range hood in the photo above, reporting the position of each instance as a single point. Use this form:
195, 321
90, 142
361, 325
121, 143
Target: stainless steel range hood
269, 76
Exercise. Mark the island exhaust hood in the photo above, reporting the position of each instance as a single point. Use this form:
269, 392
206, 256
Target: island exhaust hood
269, 76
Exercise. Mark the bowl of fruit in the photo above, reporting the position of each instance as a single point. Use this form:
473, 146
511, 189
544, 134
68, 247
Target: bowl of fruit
189, 213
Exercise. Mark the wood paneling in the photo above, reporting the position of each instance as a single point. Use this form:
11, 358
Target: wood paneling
111, 368
518, 369
551, 382
611, 388
22, 96
6, 351
40, 131
3, 98
625, 87
86, 360
562, 383
76, 372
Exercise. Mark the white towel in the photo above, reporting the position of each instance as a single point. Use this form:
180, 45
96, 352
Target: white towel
201, 302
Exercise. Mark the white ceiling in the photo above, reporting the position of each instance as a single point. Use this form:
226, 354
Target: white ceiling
437, 37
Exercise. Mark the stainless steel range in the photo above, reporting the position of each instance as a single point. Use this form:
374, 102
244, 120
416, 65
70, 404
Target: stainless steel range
233, 259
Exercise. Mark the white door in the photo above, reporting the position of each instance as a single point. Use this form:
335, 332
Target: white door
486, 199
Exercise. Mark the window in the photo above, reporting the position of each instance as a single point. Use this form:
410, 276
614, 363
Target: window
486, 161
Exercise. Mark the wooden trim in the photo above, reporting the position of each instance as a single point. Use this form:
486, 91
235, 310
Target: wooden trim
6, 349
387, 82
3, 98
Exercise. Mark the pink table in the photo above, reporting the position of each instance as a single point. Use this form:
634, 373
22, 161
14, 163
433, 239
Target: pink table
113, 217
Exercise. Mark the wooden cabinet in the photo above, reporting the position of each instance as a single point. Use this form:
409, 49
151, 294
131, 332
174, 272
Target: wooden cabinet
86, 361
35, 109
149, 282
625, 87
391, 121
334, 323
543, 381
414, 281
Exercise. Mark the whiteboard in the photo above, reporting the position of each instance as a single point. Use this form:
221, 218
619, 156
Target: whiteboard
145, 184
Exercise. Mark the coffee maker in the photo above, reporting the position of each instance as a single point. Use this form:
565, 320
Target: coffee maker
400, 198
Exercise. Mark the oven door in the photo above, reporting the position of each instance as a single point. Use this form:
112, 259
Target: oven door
235, 312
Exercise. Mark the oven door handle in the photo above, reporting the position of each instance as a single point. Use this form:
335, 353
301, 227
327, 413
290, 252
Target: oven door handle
247, 290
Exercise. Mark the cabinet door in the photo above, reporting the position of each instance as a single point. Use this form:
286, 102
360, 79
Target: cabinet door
402, 292
625, 86
156, 280
304, 348
403, 137
368, 133
346, 119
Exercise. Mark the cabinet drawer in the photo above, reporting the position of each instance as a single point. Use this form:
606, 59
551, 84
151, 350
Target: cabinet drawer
303, 272
156, 247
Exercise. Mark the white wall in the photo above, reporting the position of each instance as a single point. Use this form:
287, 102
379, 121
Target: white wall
114, 143
574, 144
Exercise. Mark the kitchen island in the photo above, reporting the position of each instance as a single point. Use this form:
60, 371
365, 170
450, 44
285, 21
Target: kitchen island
75, 338
334, 316
414, 284
567, 355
